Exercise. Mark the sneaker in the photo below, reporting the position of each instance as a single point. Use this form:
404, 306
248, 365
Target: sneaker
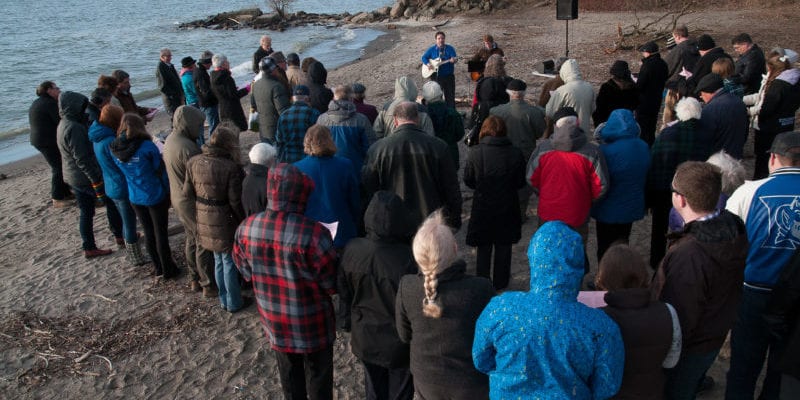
96, 253
246, 302
63, 203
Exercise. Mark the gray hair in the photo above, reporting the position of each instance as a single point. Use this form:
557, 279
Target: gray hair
218, 60
263, 154
570, 121
688, 108
733, 173
164, 51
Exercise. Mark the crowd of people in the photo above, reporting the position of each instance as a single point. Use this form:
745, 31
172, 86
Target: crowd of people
343, 197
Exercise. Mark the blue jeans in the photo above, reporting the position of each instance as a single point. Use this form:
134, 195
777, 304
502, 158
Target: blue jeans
230, 292
682, 380
128, 220
85, 198
212, 117
750, 342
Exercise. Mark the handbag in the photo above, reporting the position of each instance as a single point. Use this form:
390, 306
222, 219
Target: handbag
473, 136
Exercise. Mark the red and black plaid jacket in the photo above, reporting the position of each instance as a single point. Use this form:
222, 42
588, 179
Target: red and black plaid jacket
292, 263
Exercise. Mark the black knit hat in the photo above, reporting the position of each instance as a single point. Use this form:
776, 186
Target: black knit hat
650, 47
705, 42
620, 70
517, 85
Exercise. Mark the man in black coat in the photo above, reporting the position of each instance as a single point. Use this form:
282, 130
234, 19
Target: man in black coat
709, 52
205, 97
264, 50
169, 84
43, 119
652, 76
751, 63
684, 55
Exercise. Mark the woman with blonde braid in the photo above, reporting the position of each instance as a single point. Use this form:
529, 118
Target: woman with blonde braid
436, 311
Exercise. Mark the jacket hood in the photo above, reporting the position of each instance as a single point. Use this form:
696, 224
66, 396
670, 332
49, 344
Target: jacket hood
405, 88
568, 138
790, 76
318, 73
341, 109
98, 132
72, 106
124, 149
218, 75
388, 218
188, 122
723, 238
288, 189
620, 125
570, 72
215, 151
555, 255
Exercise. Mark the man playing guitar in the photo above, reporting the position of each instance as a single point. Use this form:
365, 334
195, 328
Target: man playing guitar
440, 58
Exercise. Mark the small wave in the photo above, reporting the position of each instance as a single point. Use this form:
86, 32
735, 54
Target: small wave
14, 132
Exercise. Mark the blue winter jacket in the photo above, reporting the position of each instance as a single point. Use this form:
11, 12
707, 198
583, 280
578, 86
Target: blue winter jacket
628, 160
140, 161
335, 196
543, 344
187, 81
113, 179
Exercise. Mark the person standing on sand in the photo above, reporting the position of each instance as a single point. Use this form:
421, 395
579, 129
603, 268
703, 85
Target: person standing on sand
264, 50
270, 98
169, 83
369, 110
122, 93
653, 75
224, 88
292, 126
575, 93
293, 72
205, 97
291, 261
82, 172
445, 74
43, 118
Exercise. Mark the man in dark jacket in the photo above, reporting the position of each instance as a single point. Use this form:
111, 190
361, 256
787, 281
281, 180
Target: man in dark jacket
351, 131
751, 63
369, 273
709, 52
125, 99
205, 97
369, 110
82, 172
264, 49
652, 76
683, 56
320, 95
169, 83
416, 166
783, 320
701, 274
224, 88
43, 118
724, 117
270, 98
292, 126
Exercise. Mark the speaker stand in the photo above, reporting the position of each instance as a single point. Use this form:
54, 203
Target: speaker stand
566, 52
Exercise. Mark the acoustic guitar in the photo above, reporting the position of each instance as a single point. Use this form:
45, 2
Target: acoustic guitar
433, 66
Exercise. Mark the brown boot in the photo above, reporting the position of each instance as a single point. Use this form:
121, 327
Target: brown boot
195, 286
209, 292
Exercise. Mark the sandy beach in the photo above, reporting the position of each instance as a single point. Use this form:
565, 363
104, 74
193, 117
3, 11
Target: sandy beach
76, 328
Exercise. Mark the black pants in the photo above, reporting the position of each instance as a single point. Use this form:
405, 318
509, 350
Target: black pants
608, 234
58, 189
155, 220
307, 375
661, 203
502, 264
448, 84
387, 384
761, 144
647, 123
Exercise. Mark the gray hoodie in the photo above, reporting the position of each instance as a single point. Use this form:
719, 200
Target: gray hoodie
180, 146
404, 90
77, 154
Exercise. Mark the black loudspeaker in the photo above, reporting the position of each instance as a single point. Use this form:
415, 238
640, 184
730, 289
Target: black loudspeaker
566, 9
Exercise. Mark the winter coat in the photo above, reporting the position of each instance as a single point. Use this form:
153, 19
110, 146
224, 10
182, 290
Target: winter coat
113, 179
434, 359
489, 92
180, 146
615, 94
780, 103
254, 189
575, 93
169, 83
524, 124
701, 276
128, 103
370, 111
202, 84
627, 159
543, 344
783, 315
646, 328
495, 169
79, 165
335, 196
683, 55
271, 100
749, 68
448, 126
404, 90
369, 275
568, 173
214, 182
291, 261
320, 95
187, 83
291, 131
417, 167
259, 54
140, 162
652, 76
230, 107
701, 69
725, 119
43, 119
351, 131
683, 141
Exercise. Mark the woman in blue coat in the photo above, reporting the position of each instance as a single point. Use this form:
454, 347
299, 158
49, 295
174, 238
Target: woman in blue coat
148, 190
627, 159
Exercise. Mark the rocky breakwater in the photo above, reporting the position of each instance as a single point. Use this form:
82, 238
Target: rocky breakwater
254, 18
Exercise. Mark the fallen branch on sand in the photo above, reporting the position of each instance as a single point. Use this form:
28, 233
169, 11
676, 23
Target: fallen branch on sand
100, 296
110, 366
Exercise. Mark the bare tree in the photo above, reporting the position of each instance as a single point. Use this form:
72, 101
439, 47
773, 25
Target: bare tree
280, 7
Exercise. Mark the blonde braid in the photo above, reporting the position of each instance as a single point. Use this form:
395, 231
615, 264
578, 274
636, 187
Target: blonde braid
434, 250
430, 304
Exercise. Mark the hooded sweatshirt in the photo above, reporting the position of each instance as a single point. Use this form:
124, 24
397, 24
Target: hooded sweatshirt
140, 162
320, 95
780, 103
78, 162
351, 131
180, 146
113, 179
627, 159
575, 93
543, 343
404, 90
